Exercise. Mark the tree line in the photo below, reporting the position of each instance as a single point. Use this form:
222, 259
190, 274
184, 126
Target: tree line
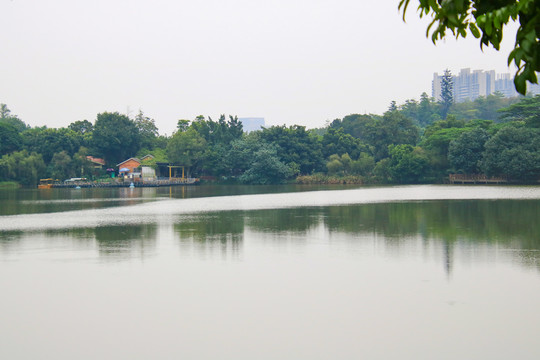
419, 141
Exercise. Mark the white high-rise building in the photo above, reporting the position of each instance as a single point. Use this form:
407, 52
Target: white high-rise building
252, 123
467, 85
505, 85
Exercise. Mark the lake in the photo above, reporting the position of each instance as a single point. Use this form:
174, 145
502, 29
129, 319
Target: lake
276, 272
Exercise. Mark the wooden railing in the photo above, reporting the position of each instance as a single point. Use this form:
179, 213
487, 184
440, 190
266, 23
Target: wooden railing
128, 182
475, 179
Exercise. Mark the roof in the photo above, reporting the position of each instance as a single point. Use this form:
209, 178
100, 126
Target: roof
125, 161
148, 156
95, 160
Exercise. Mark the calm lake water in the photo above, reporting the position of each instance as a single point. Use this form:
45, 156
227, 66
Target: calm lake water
288, 272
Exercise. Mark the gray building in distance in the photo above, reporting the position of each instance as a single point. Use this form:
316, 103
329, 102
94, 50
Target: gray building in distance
470, 85
252, 123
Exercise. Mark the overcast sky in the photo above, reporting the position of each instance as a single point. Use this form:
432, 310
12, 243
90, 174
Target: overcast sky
290, 61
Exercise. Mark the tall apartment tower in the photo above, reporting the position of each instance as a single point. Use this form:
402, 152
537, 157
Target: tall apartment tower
252, 123
436, 92
470, 85
505, 85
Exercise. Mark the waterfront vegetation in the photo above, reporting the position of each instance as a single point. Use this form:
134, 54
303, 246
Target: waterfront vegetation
419, 141
9, 185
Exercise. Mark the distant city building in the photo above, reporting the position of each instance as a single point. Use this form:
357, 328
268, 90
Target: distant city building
470, 85
505, 85
252, 123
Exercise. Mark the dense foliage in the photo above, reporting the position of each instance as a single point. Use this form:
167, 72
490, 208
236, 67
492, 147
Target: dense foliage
413, 142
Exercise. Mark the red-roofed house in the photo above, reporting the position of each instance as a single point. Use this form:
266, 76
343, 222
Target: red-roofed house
127, 166
98, 163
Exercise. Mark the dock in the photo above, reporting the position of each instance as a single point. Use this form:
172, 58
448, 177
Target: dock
128, 183
475, 179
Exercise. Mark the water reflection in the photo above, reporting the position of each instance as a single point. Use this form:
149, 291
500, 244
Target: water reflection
34, 201
296, 220
478, 225
31, 201
180, 277
442, 229
474, 221
112, 243
436, 228
209, 235
126, 241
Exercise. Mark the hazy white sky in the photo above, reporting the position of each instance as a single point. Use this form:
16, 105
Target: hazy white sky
289, 61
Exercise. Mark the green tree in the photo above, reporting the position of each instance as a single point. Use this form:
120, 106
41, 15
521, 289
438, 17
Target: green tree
61, 166
159, 155
148, 131
410, 110
266, 168
427, 110
23, 167
392, 129
4, 111
222, 131
81, 166
7, 118
485, 20
48, 142
354, 124
240, 155
336, 141
466, 152
513, 153
527, 110
295, 146
483, 107
447, 96
214, 160
186, 148
488, 107
81, 126
347, 163
219, 136
10, 139
408, 164
378, 132
182, 125
436, 141
334, 165
381, 171
115, 137
364, 165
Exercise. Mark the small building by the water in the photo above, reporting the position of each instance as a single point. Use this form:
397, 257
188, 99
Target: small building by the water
97, 163
128, 166
148, 173
133, 168
170, 171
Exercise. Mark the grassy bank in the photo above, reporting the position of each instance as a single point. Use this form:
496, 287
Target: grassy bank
9, 185
329, 180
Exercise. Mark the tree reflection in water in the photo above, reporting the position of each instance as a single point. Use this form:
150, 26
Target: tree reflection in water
439, 228
210, 234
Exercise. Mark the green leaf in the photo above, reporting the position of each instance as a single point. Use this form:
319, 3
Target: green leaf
515, 55
474, 30
403, 4
531, 36
521, 83
526, 45
496, 20
488, 27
